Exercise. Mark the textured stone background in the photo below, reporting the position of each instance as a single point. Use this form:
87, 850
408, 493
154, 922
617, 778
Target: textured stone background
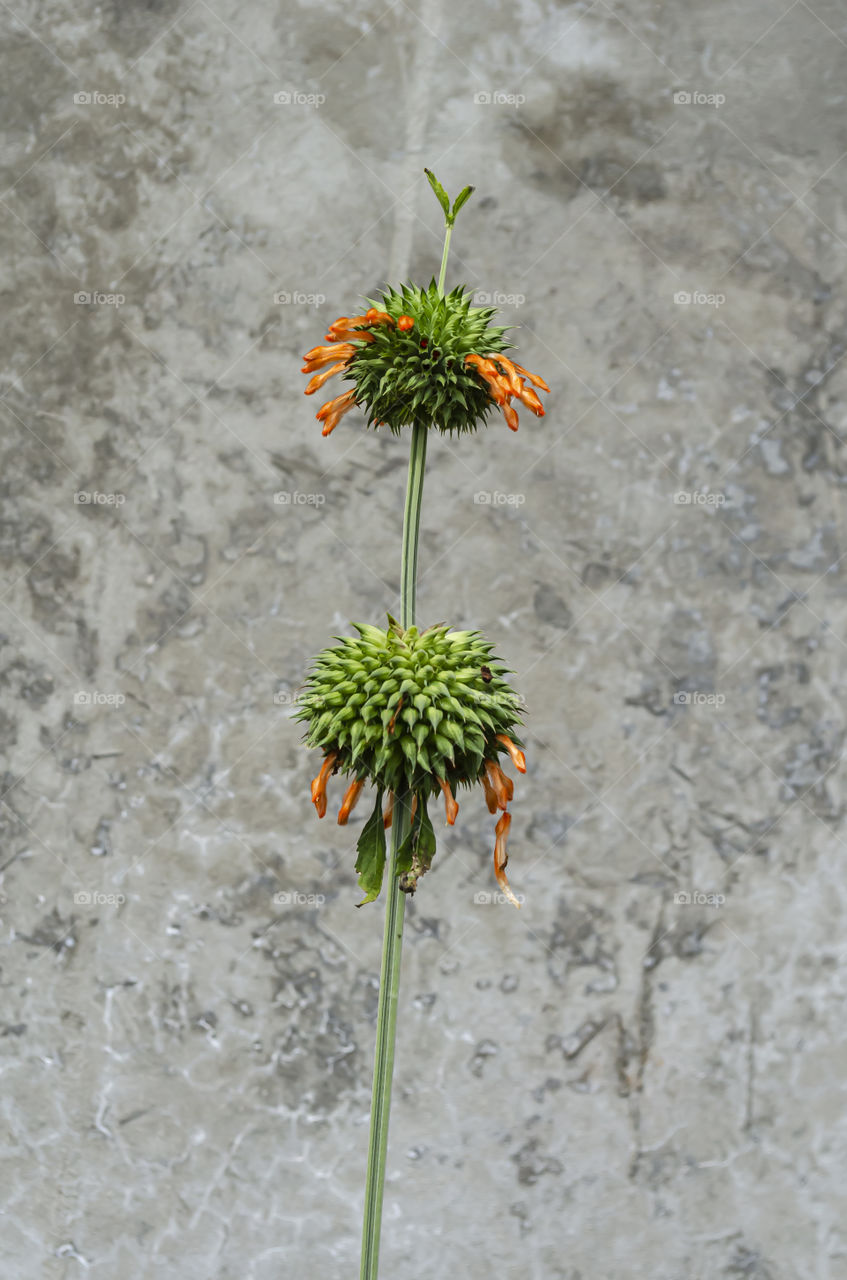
609, 1083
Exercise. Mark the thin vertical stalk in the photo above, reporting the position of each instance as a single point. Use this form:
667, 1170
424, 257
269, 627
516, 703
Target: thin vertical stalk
447, 234
395, 907
392, 942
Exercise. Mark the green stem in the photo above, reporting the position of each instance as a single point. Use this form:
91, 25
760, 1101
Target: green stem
392, 942
447, 234
411, 525
395, 907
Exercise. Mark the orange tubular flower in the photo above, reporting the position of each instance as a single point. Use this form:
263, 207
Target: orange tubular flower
530, 399
405, 323
512, 376
518, 757
498, 386
319, 356
377, 317
505, 379
502, 786
490, 794
320, 378
347, 322
501, 857
348, 803
532, 377
350, 335
334, 410
451, 808
319, 783
511, 417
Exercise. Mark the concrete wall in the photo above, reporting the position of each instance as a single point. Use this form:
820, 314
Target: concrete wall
614, 1081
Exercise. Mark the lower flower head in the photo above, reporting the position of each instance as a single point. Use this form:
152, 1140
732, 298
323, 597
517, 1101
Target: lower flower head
412, 712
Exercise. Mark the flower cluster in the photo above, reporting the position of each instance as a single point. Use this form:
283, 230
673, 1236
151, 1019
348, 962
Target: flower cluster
414, 713
419, 356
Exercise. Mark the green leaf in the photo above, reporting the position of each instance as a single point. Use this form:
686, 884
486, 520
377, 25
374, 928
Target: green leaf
443, 198
370, 850
462, 198
403, 856
426, 838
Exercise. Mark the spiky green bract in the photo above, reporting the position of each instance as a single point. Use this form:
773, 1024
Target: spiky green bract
405, 708
420, 375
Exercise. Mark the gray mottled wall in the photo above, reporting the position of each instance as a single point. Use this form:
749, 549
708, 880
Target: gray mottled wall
614, 1081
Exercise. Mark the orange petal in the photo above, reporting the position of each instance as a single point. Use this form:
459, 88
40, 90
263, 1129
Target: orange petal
532, 377
348, 335
518, 757
515, 384
332, 405
501, 857
351, 795
511, 417
451, 808
333, 411
377, 317
319, 356
320, 378
319, 783
405, 323
490, 794
498, 386
502, 786
530, 399
347, 322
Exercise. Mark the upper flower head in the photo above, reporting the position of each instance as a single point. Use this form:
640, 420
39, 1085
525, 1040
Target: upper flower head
426, 357
411, 712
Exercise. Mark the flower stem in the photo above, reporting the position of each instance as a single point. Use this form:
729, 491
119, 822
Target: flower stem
389, 978
395, 906
447, 234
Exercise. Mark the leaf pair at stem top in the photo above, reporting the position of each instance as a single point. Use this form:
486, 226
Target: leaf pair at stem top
444, 200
